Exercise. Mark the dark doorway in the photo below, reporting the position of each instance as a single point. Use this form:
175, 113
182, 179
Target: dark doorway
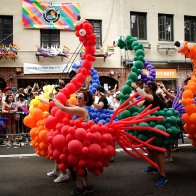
2, 84
108, 82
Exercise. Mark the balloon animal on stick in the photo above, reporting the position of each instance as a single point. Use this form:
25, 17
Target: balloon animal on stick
79, 144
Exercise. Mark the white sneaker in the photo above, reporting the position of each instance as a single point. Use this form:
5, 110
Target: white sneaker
53, 173
62, 177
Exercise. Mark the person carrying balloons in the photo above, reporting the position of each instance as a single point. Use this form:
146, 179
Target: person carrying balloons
83, 99
149, 93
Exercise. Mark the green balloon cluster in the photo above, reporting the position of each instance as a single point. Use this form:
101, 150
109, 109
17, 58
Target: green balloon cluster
130, 43
171, 125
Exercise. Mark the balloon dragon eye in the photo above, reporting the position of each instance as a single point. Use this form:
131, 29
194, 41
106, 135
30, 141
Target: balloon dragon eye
82, 32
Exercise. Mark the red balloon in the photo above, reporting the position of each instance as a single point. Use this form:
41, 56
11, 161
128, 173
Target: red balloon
61, 167
96, 137
60, 115
54, 110
85, 150
86, 64
72, 160
81, 172
61, 97
82, 163
71, 87
75, 147
111, 151
65, 129
50, 122
62, 157
59, 126
95, 128
56, 154
69, 137
89, 136
80, 133
59, 141
95, 151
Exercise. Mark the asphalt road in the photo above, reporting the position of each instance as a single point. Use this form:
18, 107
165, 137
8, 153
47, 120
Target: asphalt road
25, 175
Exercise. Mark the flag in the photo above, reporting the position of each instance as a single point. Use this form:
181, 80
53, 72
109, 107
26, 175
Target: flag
66, 50
110, 49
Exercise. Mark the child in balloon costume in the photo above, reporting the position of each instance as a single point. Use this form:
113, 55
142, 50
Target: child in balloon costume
90, 145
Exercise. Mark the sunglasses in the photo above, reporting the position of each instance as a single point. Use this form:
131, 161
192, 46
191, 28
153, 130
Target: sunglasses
78, 97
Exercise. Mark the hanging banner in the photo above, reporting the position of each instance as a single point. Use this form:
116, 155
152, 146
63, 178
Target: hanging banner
49, 15
30, 68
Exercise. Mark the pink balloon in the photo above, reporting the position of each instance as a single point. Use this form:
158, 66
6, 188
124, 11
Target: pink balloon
95, 151
75, 147
59, 141
80, 133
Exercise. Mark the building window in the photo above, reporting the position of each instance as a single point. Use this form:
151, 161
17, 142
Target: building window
165, 23
50, 37
190, 28
97, 24
6, 30
138, 25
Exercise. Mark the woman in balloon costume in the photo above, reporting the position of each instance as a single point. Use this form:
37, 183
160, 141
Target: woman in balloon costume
81, 144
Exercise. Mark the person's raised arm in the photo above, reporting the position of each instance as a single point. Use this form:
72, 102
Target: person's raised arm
141, 92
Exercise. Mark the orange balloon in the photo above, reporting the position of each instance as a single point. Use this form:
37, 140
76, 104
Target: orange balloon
192, 129
190, 109
36, 113
186, 118
44, 107
33, 133
43, 146
29, 121
45, 115
42, 135
193, 118
187, 94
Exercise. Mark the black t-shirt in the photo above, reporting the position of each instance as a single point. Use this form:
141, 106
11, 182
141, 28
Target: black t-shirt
156, 102
105, 102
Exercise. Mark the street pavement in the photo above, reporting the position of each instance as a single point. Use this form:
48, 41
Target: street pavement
23, 173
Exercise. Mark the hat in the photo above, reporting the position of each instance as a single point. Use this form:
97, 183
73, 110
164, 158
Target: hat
21, 95
6, 89
153, 86
101, 89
